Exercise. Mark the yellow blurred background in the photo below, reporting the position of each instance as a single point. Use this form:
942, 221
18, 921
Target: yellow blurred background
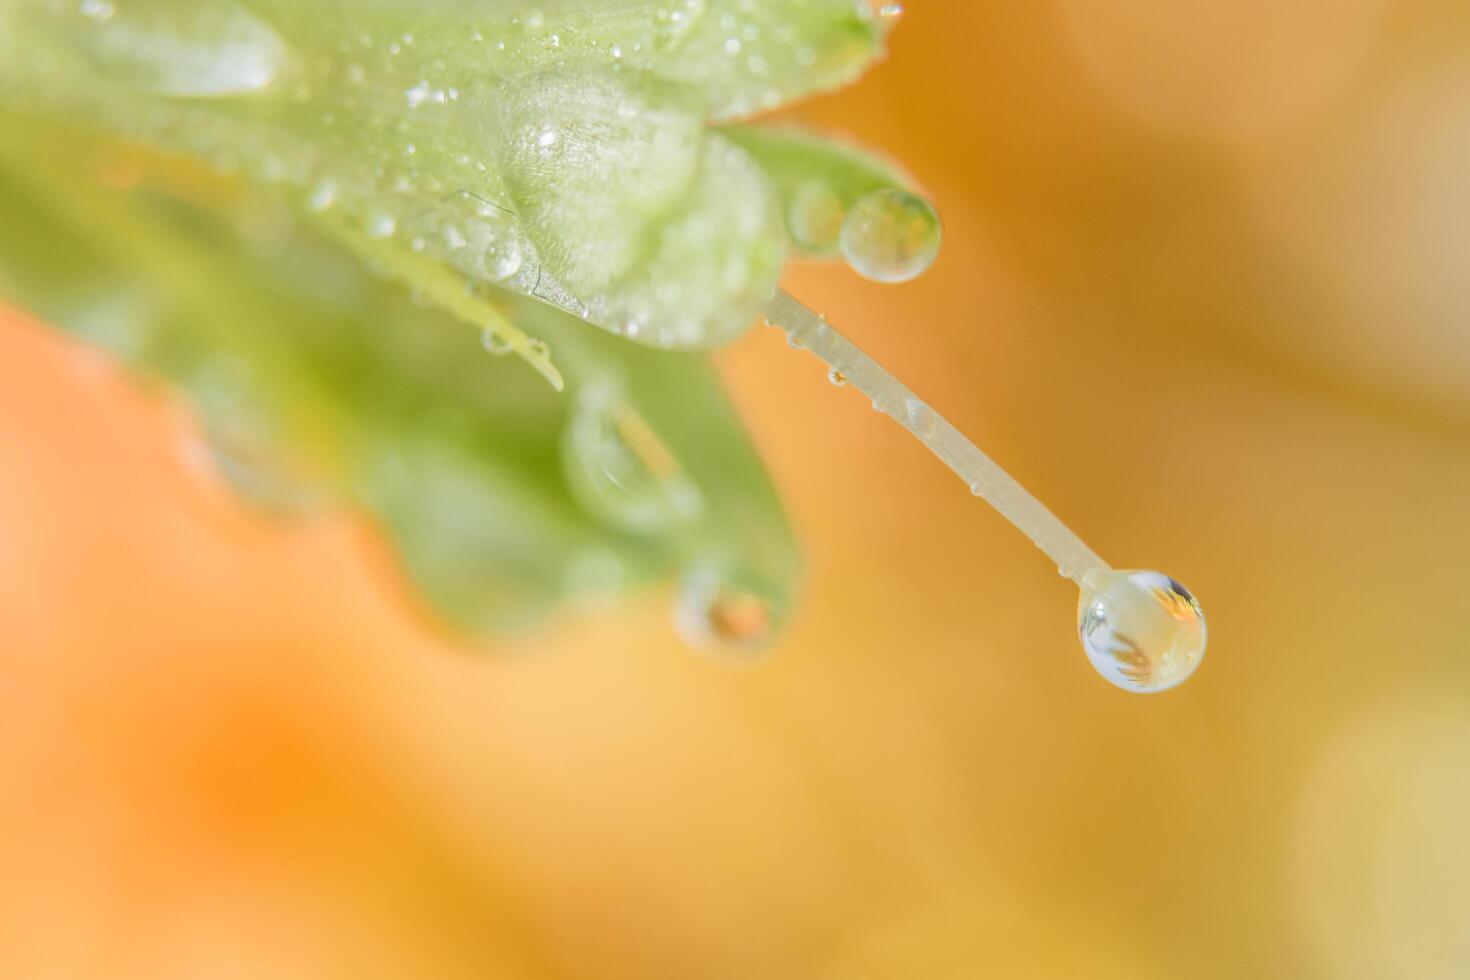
1204, 289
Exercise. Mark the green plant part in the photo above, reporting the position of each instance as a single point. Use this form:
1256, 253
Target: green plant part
291, 210
533, 170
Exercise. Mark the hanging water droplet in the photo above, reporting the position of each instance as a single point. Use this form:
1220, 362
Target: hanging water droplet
494, 343
837, 377
891, 236
200, 49
620, 469
815, 217
723, 612
1142, 631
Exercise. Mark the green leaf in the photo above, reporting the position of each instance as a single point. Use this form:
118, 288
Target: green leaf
319, 383
554, 150
389, 189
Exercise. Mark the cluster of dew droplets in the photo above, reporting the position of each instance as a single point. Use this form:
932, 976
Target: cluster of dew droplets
447, 206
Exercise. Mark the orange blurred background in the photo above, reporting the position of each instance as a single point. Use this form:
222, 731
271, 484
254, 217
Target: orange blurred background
1204, 290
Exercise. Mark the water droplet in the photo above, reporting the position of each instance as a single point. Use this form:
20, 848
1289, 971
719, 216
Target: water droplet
97, 9
494, 343
201, 49
620, 469
496, 251
794, 342
382, 226
721, 612
1143, 631
815, 217
837, 377
322, 196
921, 417
891, 236
891, 11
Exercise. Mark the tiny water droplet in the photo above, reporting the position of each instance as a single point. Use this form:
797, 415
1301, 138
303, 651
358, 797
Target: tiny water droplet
891, 236
1143, 631
494, 343
794, 342
890, 11
322, 196
97, 9
382, 226
837, 377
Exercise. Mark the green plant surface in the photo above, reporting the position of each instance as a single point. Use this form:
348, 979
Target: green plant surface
321, 220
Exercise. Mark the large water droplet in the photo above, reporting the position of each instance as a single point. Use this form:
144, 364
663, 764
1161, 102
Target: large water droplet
202, 48
496, 249
1143, 631
891, 236
722, 612
619, 468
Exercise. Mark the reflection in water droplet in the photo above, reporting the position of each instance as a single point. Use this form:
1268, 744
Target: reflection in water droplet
200, 49
891, 236
718, 612
620, 469
1143, 631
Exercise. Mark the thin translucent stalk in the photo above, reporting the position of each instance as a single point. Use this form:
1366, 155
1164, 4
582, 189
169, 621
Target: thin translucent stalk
982, 474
